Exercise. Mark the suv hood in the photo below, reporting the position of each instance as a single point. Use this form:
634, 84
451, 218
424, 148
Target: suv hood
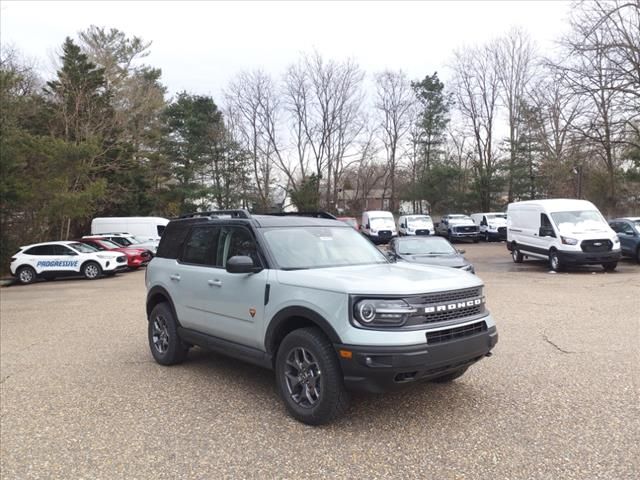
383, 279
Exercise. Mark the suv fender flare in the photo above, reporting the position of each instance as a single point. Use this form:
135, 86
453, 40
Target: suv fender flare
153, 299
279, 320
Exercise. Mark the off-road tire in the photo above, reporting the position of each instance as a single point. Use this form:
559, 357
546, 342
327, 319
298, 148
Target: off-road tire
451, 376
333, 398
91, 270
638, 254
610, 267
163, 329
26, 275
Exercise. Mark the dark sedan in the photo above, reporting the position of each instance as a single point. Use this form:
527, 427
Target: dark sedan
429, 251
628, 230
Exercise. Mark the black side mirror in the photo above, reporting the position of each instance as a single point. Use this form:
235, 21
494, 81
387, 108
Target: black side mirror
546, 232
390, 255
462, 252
242, 264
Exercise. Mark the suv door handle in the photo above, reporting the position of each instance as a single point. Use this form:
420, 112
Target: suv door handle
175, 277
215, 283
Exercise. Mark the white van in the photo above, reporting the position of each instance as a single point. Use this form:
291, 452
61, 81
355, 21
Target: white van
379, 226
144, 228
415, 225
493, 226
563, 231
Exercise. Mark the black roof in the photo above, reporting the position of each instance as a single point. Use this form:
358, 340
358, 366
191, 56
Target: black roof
302, 219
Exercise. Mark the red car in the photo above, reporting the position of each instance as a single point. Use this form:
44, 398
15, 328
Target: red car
136, 257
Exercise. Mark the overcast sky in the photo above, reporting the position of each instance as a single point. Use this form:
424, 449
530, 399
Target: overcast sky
200, 45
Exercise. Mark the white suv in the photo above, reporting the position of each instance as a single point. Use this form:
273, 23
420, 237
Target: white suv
315, 301
57, 259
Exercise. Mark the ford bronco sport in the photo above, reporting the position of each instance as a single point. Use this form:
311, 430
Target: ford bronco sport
312, 299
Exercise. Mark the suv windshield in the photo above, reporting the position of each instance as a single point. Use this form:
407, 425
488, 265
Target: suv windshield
425, 246
579, 221
319, 247
82, 248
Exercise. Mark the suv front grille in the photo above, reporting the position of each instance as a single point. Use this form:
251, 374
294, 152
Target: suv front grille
456, 333
442, 297
423, 303
384, 233
602, 245
468, 229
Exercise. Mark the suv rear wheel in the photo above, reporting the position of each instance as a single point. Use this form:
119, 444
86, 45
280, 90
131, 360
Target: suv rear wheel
26, 275
309, 377
166, 345
609, 267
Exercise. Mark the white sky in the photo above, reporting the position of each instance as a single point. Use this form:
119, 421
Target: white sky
201, 45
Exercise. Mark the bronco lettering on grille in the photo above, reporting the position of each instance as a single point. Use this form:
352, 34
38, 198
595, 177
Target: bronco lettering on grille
447, 307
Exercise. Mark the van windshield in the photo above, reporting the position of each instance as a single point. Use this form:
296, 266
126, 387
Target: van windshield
580, 221
492, 216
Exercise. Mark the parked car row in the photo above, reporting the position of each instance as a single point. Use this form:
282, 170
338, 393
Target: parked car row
91, 256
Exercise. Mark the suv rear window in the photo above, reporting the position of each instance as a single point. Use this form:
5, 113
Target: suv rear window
174, 236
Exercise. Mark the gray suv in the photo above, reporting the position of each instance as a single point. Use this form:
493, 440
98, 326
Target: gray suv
312, 299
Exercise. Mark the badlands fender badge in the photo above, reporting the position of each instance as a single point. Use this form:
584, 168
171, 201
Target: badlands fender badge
252, 312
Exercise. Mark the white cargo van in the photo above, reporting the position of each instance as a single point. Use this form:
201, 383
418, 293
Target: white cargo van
563, 231
144, 228
415, 225
379, 226
493, 226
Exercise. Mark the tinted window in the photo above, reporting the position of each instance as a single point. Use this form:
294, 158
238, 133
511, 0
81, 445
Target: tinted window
95, 245
40, 250
123, 242
236, 241
160, 229
201, 247
62, 250
544, 221
626, 228
174, 236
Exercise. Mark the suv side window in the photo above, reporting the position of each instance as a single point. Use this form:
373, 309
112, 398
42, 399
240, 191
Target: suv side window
201, 246
625, 228
236, 241
41, 250
62, 250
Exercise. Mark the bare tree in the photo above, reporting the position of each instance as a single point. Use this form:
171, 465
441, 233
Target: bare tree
324, 100
513, 60
476, 88
252, 107
394, 102
593, 77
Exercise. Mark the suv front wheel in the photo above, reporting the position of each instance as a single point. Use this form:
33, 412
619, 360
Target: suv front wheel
309, 377
166, 346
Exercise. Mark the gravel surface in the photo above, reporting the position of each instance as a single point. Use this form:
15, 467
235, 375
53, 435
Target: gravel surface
560, 399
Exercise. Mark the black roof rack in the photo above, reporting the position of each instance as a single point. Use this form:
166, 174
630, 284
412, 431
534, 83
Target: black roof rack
319, 214
236, 213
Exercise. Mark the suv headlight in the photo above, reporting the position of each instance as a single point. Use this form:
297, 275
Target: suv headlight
568, 240
382, 312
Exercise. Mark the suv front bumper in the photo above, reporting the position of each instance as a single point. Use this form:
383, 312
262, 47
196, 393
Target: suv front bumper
378, 369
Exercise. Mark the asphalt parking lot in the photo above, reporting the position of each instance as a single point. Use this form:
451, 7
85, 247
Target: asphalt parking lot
81, 396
